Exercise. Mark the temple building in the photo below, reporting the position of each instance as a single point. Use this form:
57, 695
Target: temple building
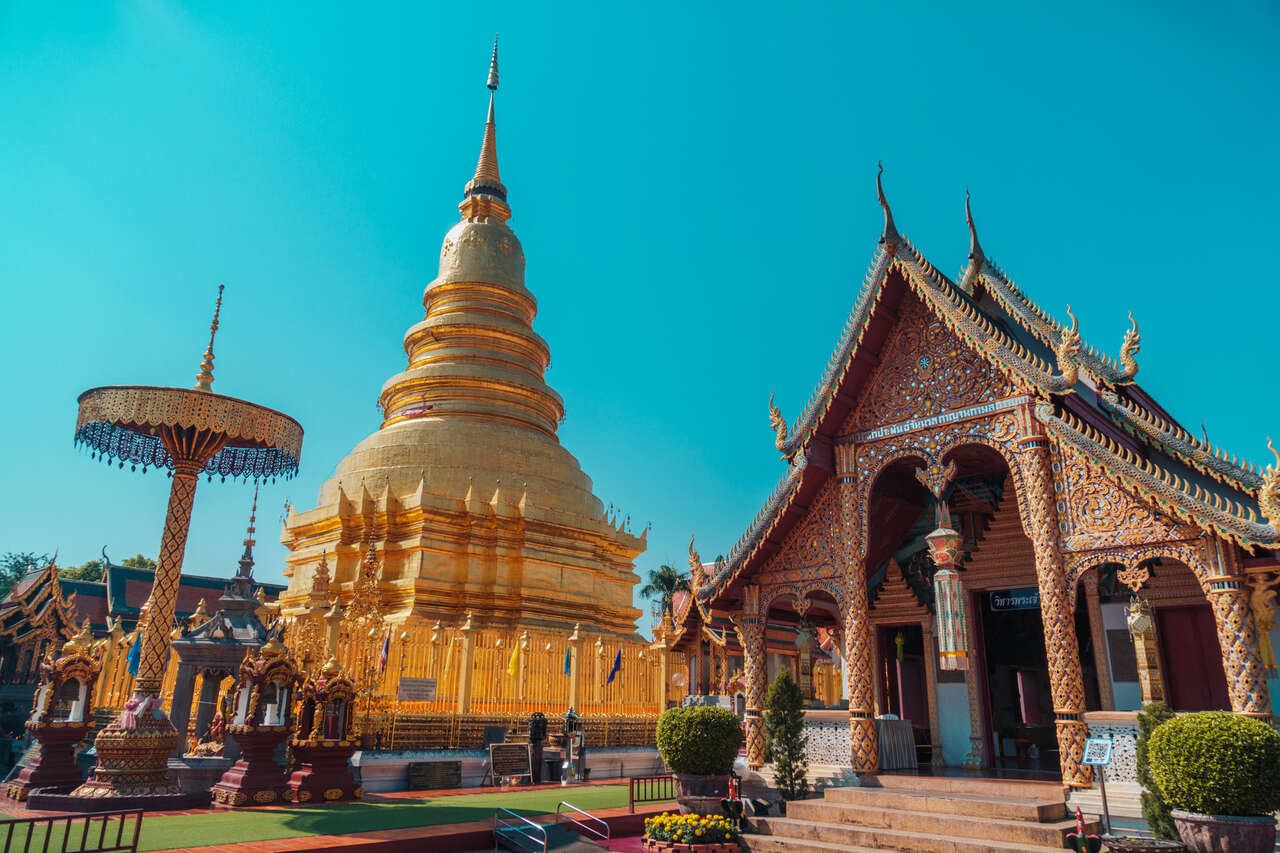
470, 501
1011, 543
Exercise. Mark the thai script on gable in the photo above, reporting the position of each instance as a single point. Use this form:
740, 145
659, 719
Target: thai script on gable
944, 418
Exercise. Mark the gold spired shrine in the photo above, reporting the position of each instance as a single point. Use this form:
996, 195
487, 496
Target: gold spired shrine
474, 511
189, 432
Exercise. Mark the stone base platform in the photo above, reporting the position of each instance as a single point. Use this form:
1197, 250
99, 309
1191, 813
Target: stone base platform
40, 800
389, 771
931, 814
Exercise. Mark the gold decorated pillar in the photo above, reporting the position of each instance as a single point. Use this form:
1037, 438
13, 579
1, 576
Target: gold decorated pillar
859, 643
1262, 600
931, 692
466, 665
1038, 505
333, 625
575, 669
1142, 629
749, 626
1238, 636
1097, 631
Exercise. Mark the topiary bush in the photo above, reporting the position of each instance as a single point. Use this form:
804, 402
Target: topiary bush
1155, 811
784, 732
1217, 763
700, 741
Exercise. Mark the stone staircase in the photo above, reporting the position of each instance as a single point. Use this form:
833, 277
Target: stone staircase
921, 814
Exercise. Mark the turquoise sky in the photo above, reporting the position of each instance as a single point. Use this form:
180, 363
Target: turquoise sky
694, 188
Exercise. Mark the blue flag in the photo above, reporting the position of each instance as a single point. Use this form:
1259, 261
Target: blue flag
566, 661
617, 668
135, 655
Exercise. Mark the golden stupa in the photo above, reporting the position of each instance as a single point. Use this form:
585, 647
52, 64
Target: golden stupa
465, 492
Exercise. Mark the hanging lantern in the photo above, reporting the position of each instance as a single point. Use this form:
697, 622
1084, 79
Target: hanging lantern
953, 626
944, 547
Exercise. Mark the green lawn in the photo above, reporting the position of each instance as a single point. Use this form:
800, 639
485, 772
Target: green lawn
232, 827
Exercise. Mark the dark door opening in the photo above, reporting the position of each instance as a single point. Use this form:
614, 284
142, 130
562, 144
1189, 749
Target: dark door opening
903, 688
1191, 659
1020, 701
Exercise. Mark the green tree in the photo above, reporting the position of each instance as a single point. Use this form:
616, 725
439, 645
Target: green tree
90, 571
784, 731
15, 564
1155, 810
140, 562
664, 583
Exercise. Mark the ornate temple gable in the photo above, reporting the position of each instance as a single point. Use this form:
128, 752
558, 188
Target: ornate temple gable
924, 369
1183, 500
808, 561
1096, 513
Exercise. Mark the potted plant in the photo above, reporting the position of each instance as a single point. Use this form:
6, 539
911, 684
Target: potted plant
1155, 811
690, 833
699, 745
1221, 774
784, 734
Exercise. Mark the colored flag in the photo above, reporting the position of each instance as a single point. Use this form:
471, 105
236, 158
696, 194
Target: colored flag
617, 667
135, 654
386, 652
566, 661
514, 666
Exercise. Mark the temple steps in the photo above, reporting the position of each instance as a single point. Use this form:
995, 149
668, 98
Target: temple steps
921, 814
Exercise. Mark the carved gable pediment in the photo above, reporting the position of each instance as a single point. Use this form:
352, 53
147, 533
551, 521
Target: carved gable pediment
925, 369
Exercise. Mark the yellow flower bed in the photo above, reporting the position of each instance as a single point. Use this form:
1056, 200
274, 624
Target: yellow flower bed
690, 828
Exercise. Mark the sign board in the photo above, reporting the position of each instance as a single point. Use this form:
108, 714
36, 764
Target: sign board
434, 775
510, 759
1015, 599
416, 690
1097, 750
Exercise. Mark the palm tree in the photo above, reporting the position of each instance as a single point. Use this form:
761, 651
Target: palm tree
665, 582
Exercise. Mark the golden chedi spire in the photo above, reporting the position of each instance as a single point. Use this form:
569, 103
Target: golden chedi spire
470, 411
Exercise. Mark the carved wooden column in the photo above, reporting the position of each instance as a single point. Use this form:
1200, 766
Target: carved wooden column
1038, 506
1237, 635
976, 757
749, 626
859, 645
1098, 631
931, 692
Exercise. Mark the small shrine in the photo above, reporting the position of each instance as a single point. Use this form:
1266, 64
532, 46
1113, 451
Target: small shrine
263, 716
324, 740
212, 649
60, 717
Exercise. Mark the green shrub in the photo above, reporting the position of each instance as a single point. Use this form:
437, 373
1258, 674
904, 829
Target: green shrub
699, 741
1217, 763
1155, 810
784, 732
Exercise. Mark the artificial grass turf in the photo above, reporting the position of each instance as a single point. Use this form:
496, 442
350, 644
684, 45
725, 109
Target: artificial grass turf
234, 827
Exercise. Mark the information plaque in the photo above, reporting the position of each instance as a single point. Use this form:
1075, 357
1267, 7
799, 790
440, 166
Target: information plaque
510, 759
416, 690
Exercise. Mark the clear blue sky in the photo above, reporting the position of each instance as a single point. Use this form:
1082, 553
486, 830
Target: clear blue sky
694, 188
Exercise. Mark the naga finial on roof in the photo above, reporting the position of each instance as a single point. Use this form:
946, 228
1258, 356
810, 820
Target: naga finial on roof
695, 566
1067, 349
1129, 350
779, 424
890, 236
1269, 494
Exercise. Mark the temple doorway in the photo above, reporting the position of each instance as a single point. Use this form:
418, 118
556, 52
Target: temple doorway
1191, 659
902, 688
1016, 669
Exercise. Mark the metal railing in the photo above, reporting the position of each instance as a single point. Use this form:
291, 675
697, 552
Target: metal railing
587, 829
518, 832
650, 789
60, 831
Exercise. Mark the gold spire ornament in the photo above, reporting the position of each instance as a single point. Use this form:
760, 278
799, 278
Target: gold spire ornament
204, 379
485, 194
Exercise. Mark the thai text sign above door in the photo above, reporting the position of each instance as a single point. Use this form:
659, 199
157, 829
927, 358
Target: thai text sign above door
1015, 599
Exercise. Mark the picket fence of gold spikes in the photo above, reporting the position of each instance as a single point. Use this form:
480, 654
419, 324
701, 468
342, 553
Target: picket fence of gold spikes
536, 682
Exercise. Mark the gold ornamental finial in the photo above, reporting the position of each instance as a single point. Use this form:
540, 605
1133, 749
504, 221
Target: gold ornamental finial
890, 236
493, 67
485, 194
204, 379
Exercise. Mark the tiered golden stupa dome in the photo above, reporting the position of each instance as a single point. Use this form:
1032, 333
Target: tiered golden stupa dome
465, 485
